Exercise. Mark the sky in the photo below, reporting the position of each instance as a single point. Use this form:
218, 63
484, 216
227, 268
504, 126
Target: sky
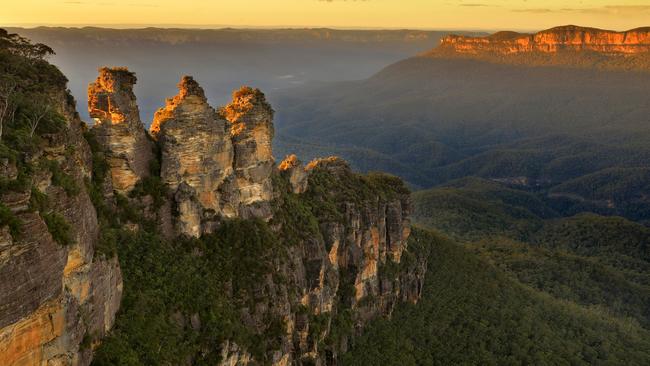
412, 14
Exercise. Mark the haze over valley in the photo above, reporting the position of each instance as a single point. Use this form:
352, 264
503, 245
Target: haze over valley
225, 59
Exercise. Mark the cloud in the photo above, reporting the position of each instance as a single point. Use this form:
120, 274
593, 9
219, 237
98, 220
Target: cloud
603, 10
143, 5
76, 2
535, 11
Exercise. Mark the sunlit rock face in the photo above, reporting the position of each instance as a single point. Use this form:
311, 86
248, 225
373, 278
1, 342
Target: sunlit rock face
251, 130
294, 169
566, 38
217, 164
196, 159
112, 104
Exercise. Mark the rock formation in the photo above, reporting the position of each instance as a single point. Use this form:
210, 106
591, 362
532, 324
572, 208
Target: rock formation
251, 129
294, 169
338, 239
565, 38
112, 104
56, 301
215, 168
351, 268
196, 159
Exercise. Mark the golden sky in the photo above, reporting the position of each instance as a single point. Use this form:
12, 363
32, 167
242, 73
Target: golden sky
428, 14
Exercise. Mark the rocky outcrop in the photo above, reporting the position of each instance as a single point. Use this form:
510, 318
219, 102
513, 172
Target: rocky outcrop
347, 272
217, 165
565, 38
112, 104
56, 300
293, 168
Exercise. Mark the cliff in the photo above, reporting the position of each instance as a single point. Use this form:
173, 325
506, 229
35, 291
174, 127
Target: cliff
212, 252
565, 45
556, 39
58, 297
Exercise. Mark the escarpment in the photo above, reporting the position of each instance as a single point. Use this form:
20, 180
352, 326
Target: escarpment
112, 104
566, 45
326, 249
554, 40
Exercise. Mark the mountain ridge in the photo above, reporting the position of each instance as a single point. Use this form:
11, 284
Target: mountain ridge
568, 37
568, 45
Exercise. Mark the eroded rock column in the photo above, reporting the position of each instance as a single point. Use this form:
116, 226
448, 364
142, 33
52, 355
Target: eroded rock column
112, 104
251, 130
197, 159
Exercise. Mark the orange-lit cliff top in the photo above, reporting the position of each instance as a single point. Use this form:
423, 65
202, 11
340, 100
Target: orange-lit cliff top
565, 38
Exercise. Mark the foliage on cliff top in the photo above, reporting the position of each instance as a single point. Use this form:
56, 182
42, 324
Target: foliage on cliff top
28, 84
332, 183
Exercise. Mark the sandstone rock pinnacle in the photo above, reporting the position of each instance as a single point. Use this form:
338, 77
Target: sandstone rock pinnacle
197, 159
112, 104
251, 129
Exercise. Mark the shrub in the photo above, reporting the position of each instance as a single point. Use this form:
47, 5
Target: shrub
62, 179
59, 228
7, 218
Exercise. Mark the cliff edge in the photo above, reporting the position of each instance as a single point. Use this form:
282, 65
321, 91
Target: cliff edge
565, 45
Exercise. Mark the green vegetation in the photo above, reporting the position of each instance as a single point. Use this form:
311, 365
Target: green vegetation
166, 284
59, 227
61, 179
587, 259
29, 88
435, 120
7, 218
472, 313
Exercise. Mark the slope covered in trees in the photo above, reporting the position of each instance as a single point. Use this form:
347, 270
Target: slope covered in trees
473, 313
587, 259
432, 120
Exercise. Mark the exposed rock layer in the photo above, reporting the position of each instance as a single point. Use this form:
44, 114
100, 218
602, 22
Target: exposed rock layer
196, 159
52, 297
566, 38
251, 129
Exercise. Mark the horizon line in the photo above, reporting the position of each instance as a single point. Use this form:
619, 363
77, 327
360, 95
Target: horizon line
137, 26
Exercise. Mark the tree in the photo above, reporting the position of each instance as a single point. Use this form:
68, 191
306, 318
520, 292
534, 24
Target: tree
21, 46
7, 107
42, 107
